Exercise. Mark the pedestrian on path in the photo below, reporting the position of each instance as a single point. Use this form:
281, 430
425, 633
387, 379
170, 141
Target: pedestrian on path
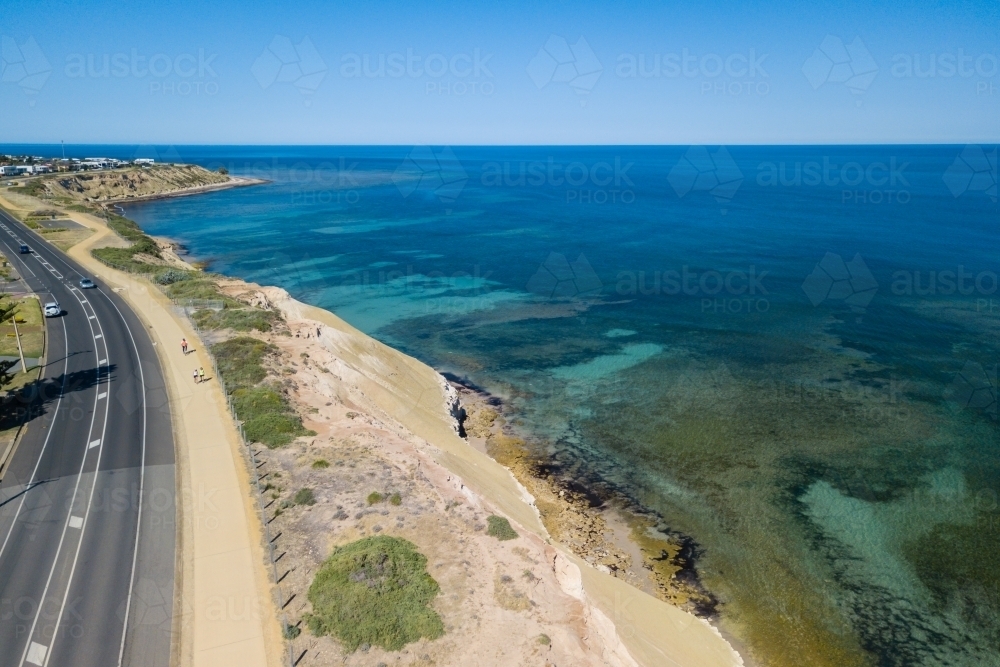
196, 376
184, 345
201, 374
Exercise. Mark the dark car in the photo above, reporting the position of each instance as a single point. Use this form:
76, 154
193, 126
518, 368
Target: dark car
25, 249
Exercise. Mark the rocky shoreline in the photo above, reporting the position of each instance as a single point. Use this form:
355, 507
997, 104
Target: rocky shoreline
605, 529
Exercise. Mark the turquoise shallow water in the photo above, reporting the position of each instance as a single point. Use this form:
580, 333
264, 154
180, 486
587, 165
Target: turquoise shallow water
789, 354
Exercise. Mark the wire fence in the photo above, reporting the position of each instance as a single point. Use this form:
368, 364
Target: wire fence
251, 456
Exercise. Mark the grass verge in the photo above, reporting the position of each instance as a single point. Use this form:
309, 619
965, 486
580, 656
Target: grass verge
375, 591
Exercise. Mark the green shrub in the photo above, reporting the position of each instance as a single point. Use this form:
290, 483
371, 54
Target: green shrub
375, 591
395, 499
305, 496
544, 640
202, 287
240, 361
499, 527
172, 276
267, 416
291, 631
319, 464
243, 319
375, 497
121, 258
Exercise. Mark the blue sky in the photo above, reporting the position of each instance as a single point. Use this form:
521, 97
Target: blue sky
564, 73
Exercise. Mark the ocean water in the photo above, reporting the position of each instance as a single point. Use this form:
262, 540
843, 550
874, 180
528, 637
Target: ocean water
788, 353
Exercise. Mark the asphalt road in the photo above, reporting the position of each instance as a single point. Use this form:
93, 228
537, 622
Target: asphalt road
87, 503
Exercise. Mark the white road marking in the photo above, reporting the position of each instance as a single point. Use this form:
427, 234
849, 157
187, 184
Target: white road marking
102, 362
75, 521
94, 443
92, 317
98, 336
103, 394
36, 653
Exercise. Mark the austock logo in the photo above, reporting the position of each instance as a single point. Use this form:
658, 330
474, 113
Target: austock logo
974, 170
835, 62
834, 279
559, 62
150, 604
702, 171
436, 172
24, 65
975, 387
557, 278
283, 62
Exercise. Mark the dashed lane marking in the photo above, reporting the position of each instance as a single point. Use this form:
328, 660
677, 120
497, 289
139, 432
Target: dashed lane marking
36, 654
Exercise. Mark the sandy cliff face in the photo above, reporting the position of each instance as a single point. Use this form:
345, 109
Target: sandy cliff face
368, 396
130, 183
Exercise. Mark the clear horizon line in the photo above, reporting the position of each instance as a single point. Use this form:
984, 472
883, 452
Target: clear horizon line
512, 145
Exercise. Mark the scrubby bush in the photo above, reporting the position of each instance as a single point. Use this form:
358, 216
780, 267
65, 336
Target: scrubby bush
320, 464
172, 276
395, 499
240, 361
241, 319
267, 416
305, 496
499, 527
375, 497
375, 591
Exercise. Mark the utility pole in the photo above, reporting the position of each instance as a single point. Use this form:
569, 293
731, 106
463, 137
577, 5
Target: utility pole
20, 352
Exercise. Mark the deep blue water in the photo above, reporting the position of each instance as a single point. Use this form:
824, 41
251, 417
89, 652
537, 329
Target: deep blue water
788, 353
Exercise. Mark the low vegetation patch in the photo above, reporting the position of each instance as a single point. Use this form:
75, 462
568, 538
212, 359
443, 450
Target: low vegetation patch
124, 258
33, 188
198, 286
267, 416
499, 527
241, 319
375, 591
375, 497
305, 496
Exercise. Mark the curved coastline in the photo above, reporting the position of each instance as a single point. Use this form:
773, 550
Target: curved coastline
634, 626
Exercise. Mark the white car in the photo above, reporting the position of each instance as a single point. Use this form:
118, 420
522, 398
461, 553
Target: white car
53, 309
